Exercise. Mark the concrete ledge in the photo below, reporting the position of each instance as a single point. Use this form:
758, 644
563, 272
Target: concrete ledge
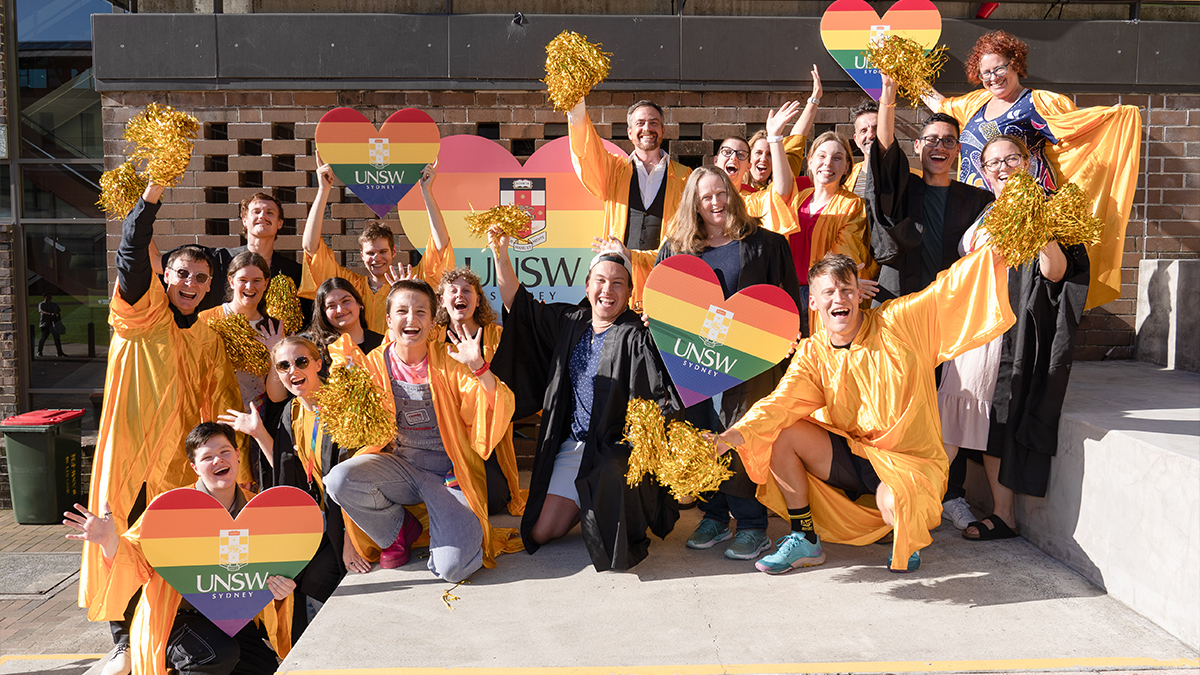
1123, 506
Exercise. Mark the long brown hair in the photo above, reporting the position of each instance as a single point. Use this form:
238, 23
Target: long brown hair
249, 259
484, 313
687, 231
822, 140
323, 332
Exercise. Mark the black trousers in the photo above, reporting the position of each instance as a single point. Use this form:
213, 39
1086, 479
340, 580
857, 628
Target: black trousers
198, 647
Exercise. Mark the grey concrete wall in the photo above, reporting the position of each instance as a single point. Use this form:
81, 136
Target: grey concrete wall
1168, 313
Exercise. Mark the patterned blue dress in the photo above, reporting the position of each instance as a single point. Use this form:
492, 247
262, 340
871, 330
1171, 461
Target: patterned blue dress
1021, 120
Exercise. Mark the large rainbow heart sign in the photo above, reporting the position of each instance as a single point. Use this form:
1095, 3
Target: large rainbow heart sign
221, 565
710, 343
849, 26
380, 165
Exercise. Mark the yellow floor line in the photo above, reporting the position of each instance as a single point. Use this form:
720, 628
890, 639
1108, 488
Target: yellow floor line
1004, 665
5, 658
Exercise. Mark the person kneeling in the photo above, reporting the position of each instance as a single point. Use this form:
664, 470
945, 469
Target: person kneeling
857, 411
167, 630
450, 411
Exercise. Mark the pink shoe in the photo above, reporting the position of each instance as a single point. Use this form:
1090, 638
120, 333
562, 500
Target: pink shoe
400, 551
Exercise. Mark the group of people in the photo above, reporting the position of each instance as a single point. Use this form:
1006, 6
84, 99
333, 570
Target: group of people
850, 438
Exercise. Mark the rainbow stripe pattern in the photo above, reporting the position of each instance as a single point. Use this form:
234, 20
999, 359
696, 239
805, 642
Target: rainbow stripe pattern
380, 165
220, 565
711, 343
849, 26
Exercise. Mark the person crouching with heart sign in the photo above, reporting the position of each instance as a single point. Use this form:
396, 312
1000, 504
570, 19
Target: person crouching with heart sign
167, 630
450, 412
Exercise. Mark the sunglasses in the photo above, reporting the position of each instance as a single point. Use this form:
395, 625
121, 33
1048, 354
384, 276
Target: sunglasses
182, 275
301, 363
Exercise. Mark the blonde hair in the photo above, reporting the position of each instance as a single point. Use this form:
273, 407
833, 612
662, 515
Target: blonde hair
687, 231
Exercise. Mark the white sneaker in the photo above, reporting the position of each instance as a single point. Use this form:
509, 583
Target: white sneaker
119, 662
958, 512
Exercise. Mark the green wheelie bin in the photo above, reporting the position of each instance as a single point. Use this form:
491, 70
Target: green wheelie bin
44, 456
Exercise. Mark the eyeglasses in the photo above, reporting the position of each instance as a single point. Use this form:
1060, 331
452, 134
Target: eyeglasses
301, 363
730, 152
182, 275
998, 71
947, 142
1011, 161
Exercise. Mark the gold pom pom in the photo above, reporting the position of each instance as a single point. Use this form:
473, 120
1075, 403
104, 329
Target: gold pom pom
282, 303
352, 409
163, 139
679, 457
246, 351
907, 62
120, 190
1069, 217
573, 67
513, 220
1015, 224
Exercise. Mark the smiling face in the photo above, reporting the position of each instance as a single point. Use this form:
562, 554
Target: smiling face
608, 290
760, 161
459, 299
645, 128
186, 294
300, 381
712, 197
248, 286
828, 163
341, 310
865, 126
377, 256
1005, 86
216, 462
733, 157
937, 160
262, 219
1004, 152
836, 302
409, 318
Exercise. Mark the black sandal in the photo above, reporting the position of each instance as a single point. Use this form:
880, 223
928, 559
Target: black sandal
998, 530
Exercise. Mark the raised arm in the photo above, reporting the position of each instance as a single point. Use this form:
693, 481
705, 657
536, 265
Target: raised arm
135, 270
506, 276
885, 134
316, 215
933, 99
437, 224
782, 178
804, 124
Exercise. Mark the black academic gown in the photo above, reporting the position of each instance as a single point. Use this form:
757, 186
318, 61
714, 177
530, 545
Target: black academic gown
533, 360
324, 572
766, 258
896, 205
1035, 364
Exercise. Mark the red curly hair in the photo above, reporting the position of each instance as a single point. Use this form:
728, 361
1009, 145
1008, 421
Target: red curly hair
1001, 43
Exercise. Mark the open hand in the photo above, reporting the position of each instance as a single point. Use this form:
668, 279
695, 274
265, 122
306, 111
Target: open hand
248, 423
398, 272
467, 349
778, 119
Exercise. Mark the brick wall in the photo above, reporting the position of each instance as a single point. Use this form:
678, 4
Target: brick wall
8, 302
254, 139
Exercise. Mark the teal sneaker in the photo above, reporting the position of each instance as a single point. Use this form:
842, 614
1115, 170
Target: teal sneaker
747, 544
794, 551
914, 563
708, 534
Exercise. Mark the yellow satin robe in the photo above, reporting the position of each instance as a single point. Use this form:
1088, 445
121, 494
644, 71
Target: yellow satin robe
322, 265
156, 610
469, 430
607, 176
506, 452
881, 395
1098, 149
161, 381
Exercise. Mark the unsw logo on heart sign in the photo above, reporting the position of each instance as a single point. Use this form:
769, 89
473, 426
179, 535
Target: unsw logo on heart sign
530, 195
221, 565
708, 342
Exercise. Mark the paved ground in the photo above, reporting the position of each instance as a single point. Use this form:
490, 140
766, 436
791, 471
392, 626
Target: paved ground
991, 607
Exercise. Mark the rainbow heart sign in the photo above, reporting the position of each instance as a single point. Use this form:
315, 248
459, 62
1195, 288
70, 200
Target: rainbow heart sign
221, 565
710, 343
849, 26
380, 165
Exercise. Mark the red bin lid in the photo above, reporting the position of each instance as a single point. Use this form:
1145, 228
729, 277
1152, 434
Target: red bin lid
41, 418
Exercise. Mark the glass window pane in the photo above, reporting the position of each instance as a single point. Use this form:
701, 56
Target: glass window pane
58, 20
60, 109
61, 191
67, 297
5, 192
